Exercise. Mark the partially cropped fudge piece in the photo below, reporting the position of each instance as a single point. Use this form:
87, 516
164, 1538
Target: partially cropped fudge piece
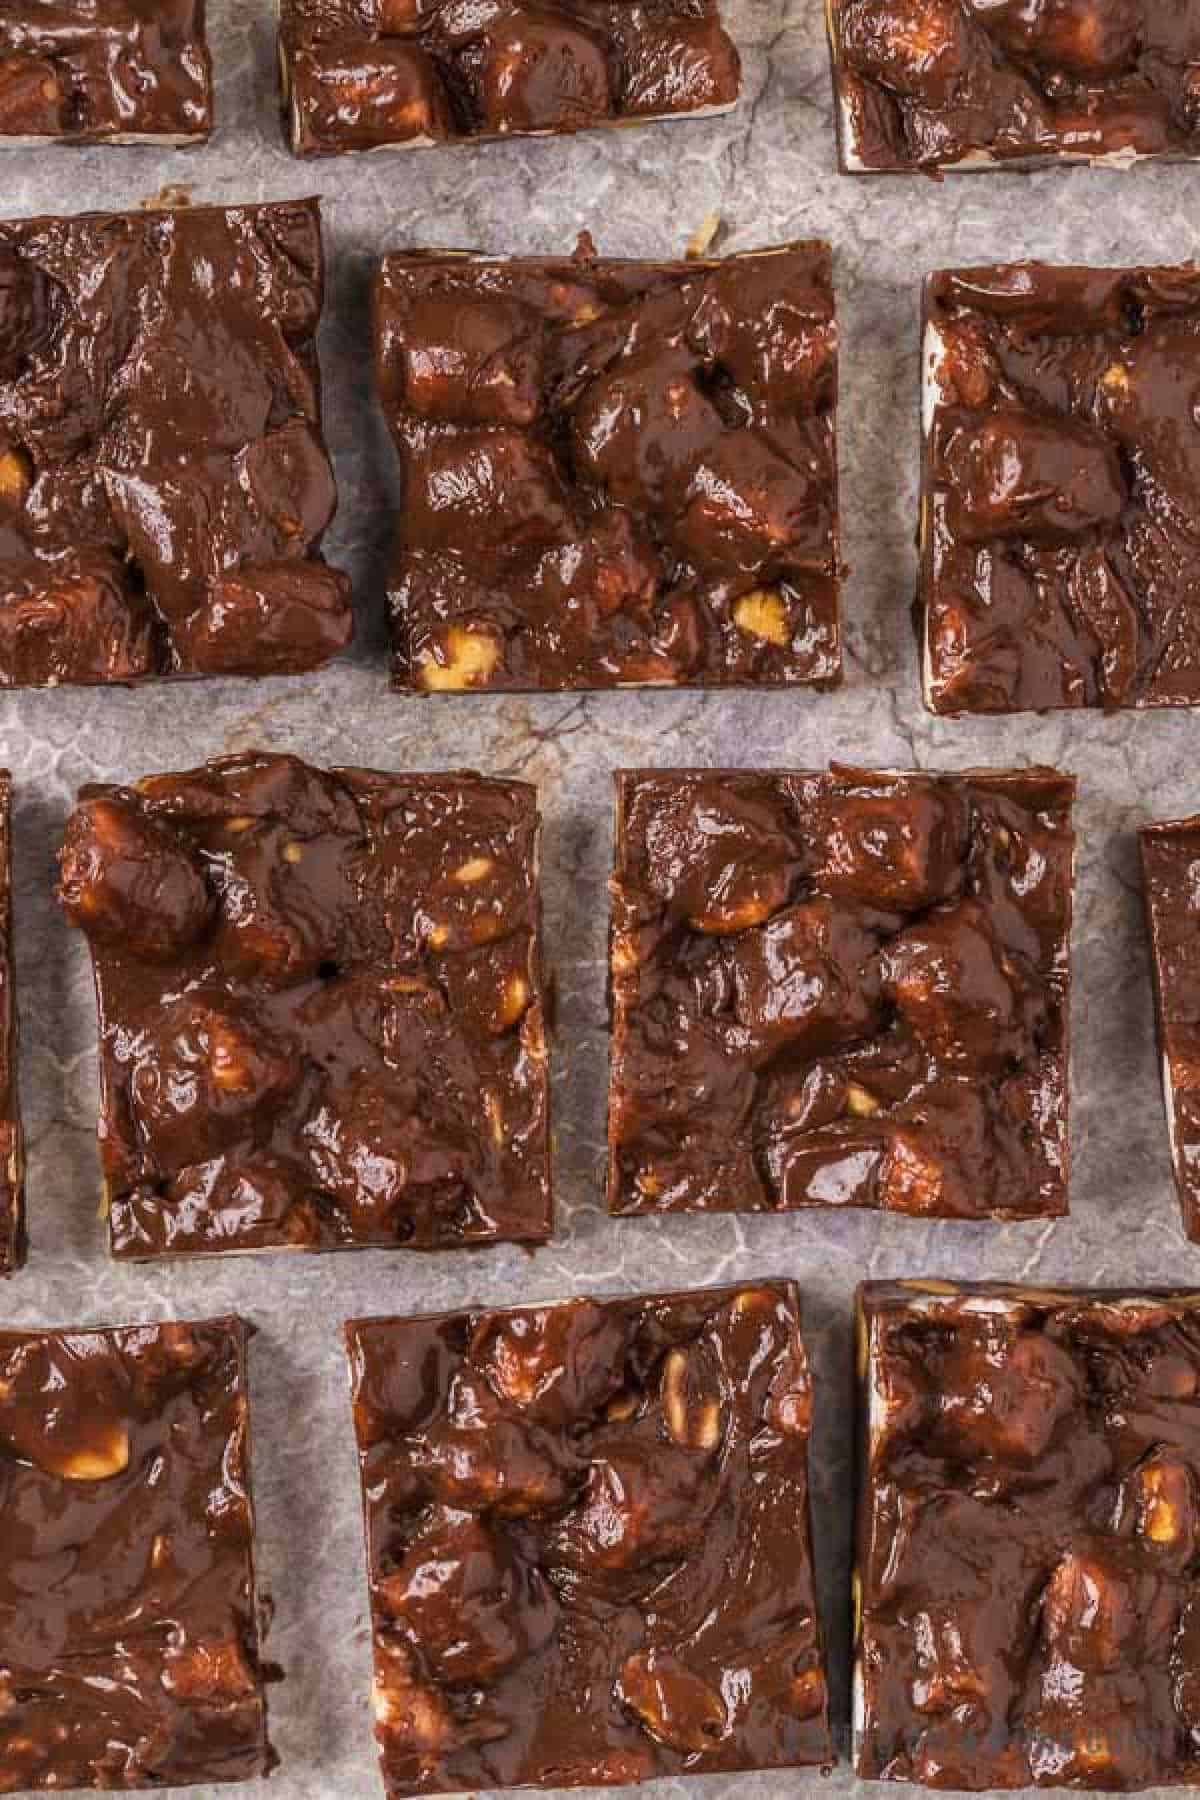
12, 1153
95, 71
841, 990
1027, 1529
1171, 867
373, 74
164, 486
1061, 490
129, 1635
320, 1007
960, 84
588, 1541
614, 472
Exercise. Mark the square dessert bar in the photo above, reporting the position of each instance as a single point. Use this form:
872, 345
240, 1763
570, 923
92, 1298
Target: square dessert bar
129, 1634
1061, 491
320, 1002
95, 71
1027, 1529
1170, 864
588, 1541
372, 74
164, 485
12, 1152
841, 990
615, 472
960, 84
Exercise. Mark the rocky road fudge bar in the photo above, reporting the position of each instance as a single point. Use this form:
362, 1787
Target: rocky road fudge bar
1027, 1527
841, 990
366, 74
320, 1007
121, 71
615, 472
1170, 864
163, 482
952, 84
12, 1154
129, 1638
588, 1541
1061, 492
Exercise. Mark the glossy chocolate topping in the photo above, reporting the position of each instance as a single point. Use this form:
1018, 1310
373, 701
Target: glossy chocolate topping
163, 482
841, 990
1027, 1538
939, 84
615, 473
320, 1007
12, 1154
361, 74
1170, 868
588, 1539
1062, 488
87, 70
129, 1639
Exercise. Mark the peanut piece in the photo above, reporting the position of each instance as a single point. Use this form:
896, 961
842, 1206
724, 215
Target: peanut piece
494, 1116
763, 614
474, 870
16, 478
514, 998
860, 1102
98, 1462
293, 853
693, 1420
469, 658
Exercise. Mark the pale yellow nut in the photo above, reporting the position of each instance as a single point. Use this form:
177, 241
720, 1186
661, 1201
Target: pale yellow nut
514, 998
1115, 380
648, 1183
695, 1424
586, 314
239, 823
293, 853
473, 871
99, 1462
16, 477
860, 1102
439, 936
495, 1117
622, 1407
763, 614
727, 921
753, 1300
408, 984
468, 658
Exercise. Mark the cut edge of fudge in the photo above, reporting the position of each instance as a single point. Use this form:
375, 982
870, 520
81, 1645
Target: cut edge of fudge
13, 1242
1159, 831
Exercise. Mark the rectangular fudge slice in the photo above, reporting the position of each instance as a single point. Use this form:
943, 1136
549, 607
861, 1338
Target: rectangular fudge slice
164, 488
12, 1152
1060, 495
96, 71
841, 990
402, 74
129, 1636
320, 1001
588, 1541
615, 473
1026, 1602
967, 84
1170, 859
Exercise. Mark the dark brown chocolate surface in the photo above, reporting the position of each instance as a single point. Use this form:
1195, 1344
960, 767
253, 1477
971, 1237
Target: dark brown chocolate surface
615, 472
87, 70
12, 1154
364, 74
163, 482
320, 1007
841, 990
1027, 1538
940, 84
1061, 494
1170, 867
129, 1638
588, 1541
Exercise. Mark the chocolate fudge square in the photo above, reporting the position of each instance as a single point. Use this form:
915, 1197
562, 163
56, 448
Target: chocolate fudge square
588, 1541
1061, 491
12, 1151
96, 71
129, 1637
320, 1004
615, 473
164, 486
963, 84
1027, 1537
373, 74
1170, 861
841, 990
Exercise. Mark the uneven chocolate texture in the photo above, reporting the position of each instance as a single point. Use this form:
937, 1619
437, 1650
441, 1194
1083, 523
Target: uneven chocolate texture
588, 1541
1027, 1537
367, 74
1170, 864
1061, 488
129, 1636
320, 1007
944, 84
12, 1151
89, 70
841, 990
616, 473
163, 482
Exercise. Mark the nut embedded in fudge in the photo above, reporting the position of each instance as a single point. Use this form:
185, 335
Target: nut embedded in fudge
129, 1636
588, 1541
87, 71
841, 990
945, 84
1061, 488
1170, 857
1027, 1536
164, 486
615, 473
320, 1007
405, 73
12, 1153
